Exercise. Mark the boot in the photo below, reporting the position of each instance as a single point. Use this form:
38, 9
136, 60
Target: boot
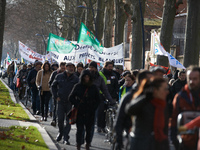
78, 147
87, 146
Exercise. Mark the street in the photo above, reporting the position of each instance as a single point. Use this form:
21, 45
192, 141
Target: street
98, 139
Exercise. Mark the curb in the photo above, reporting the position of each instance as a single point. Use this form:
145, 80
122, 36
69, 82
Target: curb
32, 118
43, 132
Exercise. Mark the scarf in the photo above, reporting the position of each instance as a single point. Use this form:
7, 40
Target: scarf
159, 119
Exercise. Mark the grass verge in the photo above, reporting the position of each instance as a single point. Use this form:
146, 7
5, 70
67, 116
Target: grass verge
8, 109
16, 137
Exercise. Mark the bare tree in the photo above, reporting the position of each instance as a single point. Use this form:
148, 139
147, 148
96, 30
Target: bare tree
192, 44
136, 58
2, 22
169, 12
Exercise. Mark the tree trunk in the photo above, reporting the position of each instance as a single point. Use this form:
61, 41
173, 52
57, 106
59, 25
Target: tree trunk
2, 23
99, 19
136, 58
169, 13
108, 24
192, 44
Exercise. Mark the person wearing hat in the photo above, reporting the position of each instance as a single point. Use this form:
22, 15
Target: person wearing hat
61, 88
34, 91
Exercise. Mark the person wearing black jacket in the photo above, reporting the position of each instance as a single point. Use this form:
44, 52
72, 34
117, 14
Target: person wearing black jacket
85, 97
22, 75
61, 88
111, 81
34, 91
149, 106
53, 75
123, 121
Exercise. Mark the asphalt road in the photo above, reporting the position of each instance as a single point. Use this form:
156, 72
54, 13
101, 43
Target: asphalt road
98, 142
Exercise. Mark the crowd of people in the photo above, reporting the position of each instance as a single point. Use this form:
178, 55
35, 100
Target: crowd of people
149, 102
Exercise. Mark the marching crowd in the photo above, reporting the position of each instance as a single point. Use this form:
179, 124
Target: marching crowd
149, 102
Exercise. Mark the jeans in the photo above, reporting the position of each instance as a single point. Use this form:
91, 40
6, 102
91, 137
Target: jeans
51, 104
62, 111
10, 82
35, 100
54, 110
44, 102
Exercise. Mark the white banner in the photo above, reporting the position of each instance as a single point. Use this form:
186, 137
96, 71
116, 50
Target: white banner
82, 52
174, 62
159, 49
29, 54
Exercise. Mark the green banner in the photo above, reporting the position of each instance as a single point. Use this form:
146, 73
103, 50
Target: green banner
59, 44
86, 37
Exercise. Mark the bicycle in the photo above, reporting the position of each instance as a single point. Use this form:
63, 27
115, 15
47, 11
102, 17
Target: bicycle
27, 95
110, 117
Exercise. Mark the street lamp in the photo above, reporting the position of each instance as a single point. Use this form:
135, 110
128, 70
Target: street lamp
81, 6
43, 37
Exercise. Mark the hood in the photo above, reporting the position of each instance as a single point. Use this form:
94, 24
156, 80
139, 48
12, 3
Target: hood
83, 74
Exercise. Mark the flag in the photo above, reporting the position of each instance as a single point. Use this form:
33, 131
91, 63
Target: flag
22, 60
59, 44
174, 62
159, 49
15, 67
86, 37
8, 60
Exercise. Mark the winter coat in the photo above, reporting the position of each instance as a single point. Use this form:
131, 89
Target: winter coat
10, 71
53, 75
31, 79
177, 86
100, 83
44, 77
62, 86
182, 102
144, 139
23, 73
112, 83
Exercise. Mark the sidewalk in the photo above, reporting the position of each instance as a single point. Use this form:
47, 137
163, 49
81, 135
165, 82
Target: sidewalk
33, 122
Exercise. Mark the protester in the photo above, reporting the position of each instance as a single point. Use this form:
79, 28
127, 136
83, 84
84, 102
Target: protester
42, 80
11, 74
123, 75
149, 108
61, 88
123, 121
129, 81
85, 97
22, 75
111, 82
53, 75
79, 69
54, 66
186, 100
179, 83
34, 91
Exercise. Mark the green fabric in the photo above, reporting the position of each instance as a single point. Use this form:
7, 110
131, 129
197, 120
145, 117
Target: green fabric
86, 37
59, 44
104, 78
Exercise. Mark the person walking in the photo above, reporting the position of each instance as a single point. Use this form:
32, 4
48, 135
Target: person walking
149, 107
11, 74
34, 91
42, 80
85, 97
61, 88
53, 75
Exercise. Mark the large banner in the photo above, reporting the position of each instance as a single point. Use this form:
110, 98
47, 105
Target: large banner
29, 54
87, 37
59, 44
85, 52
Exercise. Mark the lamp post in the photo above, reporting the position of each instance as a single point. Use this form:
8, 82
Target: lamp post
43, 37
143, 41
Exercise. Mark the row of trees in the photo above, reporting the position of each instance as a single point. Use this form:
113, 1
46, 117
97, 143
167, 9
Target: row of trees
106, 18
